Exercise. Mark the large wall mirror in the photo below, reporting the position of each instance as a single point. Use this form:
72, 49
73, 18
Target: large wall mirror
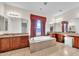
6, 24
24, 25
13, 25
3, 23
17, 25
51, 27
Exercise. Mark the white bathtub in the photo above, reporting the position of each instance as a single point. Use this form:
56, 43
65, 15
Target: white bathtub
42, 42
40, 39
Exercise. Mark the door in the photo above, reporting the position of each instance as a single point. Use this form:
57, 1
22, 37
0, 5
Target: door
60, 38
24, 41
4, 44
64, 26
76, 42
15, 42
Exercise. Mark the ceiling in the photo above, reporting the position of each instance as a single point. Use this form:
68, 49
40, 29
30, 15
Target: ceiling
51, 8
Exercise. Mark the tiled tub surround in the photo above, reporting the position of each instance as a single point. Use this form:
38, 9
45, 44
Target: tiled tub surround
42, 42
13, 41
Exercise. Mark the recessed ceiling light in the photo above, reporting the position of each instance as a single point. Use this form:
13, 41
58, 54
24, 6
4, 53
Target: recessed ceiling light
45, 3
40, 8
60, 10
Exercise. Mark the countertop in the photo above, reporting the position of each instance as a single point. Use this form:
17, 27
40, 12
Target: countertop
13, 35
66, 34
70, 34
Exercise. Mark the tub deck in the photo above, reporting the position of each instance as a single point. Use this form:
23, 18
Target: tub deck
36, 46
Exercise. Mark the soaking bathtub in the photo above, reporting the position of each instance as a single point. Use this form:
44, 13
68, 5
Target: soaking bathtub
42, 42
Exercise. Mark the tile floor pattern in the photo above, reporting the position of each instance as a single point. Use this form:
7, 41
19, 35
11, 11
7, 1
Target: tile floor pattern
58, 50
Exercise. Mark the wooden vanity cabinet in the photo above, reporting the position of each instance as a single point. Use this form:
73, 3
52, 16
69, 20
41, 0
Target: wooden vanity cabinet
10, 43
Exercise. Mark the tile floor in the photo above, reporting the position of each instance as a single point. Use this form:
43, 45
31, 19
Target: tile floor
58, 50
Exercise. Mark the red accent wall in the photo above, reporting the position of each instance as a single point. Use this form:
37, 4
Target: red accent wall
33, 19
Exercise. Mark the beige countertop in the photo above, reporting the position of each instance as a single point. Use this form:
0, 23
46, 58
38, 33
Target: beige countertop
13, 35
70, 34
67, 34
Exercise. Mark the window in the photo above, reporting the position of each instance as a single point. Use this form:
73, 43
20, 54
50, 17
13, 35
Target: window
38, 28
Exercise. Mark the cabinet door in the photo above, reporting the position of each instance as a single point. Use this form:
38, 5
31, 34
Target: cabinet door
76, 42
60, 38
11, 43
24, 41
15, 42
0, 44
4, 44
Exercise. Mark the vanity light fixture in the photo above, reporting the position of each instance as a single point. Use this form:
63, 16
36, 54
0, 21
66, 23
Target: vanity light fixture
13, 14
60, 10
40, 9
